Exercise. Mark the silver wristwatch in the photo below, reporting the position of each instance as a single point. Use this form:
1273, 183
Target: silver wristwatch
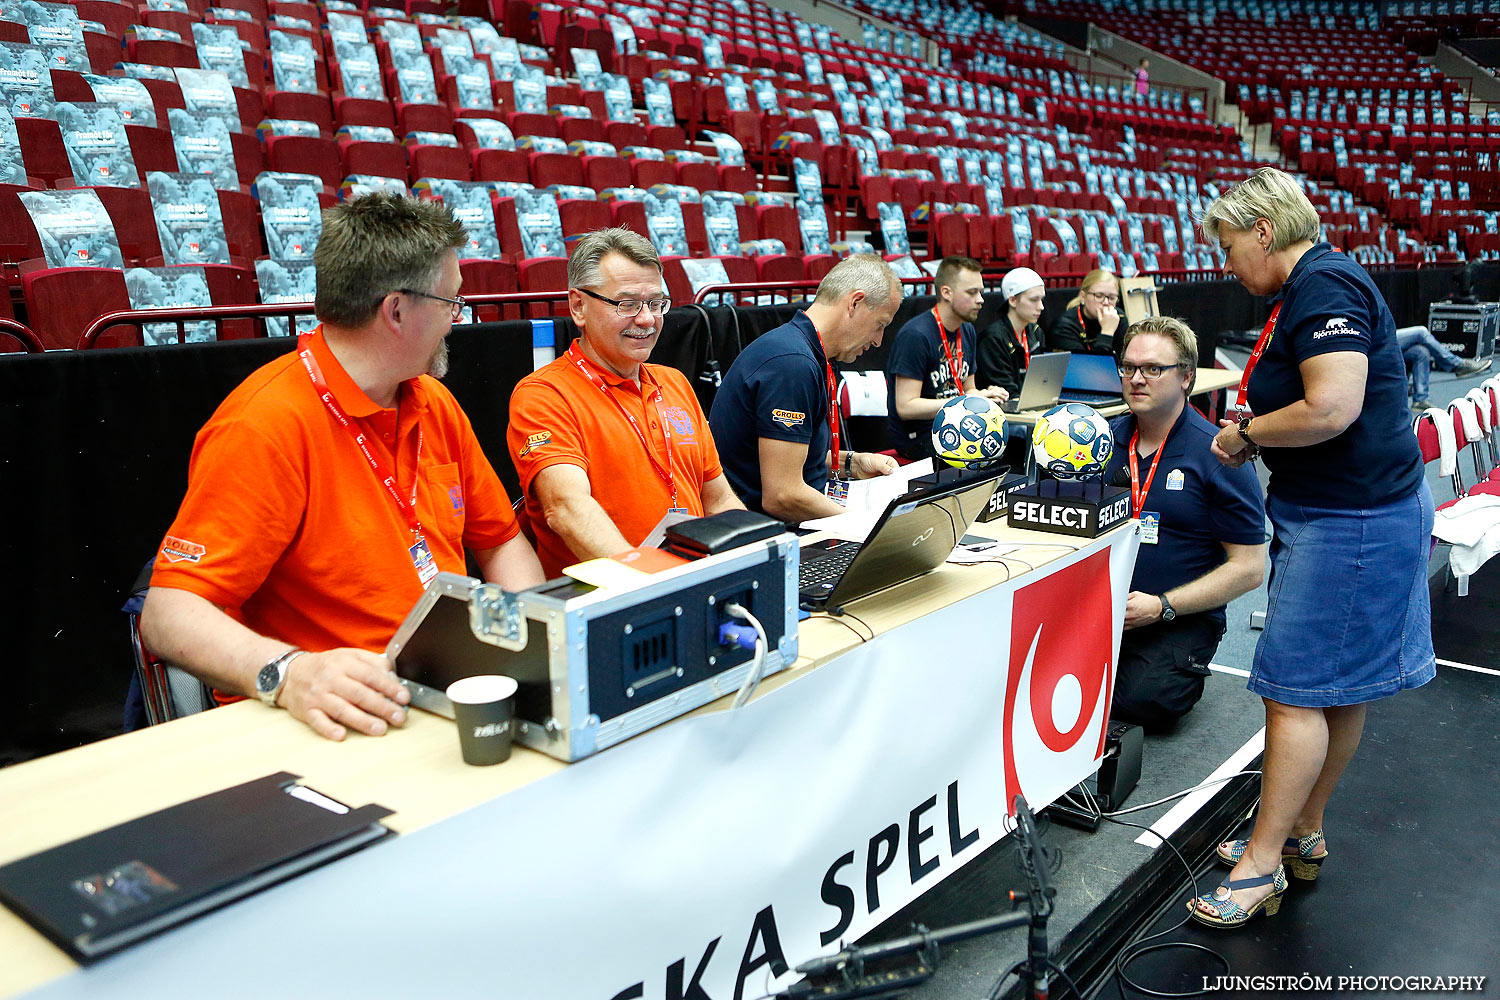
272, 677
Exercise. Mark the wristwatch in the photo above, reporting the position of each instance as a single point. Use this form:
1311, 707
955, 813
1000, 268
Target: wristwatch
1245, 431
272, 677
1167, 611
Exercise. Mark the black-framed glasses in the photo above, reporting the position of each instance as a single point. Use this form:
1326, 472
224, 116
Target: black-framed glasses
456, 304
630, 308
1150, 371
1104, 298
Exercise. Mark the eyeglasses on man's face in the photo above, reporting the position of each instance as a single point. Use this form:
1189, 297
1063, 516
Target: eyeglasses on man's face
1150, 371
630, 308
456, 305
1104, 298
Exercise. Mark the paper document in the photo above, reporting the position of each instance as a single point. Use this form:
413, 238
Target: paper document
867, 500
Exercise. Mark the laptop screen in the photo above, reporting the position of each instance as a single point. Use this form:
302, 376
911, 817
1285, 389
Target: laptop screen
1092, 373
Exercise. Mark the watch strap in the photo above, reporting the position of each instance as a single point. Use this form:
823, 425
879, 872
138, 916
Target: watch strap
1168, 612
280, 664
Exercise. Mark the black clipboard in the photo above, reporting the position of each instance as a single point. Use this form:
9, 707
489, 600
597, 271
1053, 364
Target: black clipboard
103, 892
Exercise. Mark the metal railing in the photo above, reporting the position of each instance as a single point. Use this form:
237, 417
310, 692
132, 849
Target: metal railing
257, 311
22, 334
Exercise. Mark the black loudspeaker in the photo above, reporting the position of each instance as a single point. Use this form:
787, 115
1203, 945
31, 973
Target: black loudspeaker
1121, 767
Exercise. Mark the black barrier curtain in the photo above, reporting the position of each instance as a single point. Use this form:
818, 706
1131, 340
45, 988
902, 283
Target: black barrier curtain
94, 456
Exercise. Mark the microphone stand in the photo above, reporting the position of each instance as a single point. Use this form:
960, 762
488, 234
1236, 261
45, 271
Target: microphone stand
844, 975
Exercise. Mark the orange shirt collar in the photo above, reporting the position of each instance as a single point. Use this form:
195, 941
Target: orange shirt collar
608, 377
347, 393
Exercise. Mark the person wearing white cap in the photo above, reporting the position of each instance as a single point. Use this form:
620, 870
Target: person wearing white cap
1006, 348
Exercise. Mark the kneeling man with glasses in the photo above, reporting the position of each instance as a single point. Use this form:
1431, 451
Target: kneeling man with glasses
1202, 528
606, 444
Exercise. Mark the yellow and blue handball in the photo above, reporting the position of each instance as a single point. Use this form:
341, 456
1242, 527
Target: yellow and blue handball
1072, 441
969, 432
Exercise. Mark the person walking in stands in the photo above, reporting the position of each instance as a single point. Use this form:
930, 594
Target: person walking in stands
1006, 346
1143, 77
333, 484
1348, 618
1089, 323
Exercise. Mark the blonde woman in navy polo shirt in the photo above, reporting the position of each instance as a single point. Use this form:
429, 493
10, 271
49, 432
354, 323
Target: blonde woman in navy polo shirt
1347, 619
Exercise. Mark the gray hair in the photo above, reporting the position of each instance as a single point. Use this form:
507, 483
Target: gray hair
377, 244
590, 251
1267, 194
863, 272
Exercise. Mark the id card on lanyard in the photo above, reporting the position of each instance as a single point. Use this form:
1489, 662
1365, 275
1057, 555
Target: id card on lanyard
421, 555
954, 366
1260, 348
1150, 521
667, 476
837, 488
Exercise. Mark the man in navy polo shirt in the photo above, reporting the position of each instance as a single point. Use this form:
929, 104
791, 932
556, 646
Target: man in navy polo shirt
932, 358
775, 418
1202, 528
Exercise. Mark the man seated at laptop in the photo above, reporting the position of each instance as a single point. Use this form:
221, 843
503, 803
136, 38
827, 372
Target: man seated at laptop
606, 444
776, 417
333, 484
932, 358
1005, 348
1202, 528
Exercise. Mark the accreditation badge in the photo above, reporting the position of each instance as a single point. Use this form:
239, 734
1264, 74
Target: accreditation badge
421, 558
838, 491
1150, 527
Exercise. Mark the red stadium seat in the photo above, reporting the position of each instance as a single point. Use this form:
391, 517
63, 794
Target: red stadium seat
42, 150
501, 165
151, 148
439, 161
556, 168
301, 107
602, 172
135, 223
645, 173
62, 301
379, 159
543, 274
307, 155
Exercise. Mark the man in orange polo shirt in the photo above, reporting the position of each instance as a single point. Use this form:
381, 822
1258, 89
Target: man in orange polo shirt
604, 443
332, 484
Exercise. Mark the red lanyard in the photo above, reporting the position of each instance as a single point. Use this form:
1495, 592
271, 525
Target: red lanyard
1137, 494
954, 367
666, 474
1025, 347
407, 508
833, 404
1260, 348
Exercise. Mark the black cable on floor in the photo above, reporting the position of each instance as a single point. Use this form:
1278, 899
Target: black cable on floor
1133, 949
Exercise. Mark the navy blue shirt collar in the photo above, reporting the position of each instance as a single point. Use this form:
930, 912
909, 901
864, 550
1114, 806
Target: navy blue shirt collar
1318, 250
801, 321
1126, 428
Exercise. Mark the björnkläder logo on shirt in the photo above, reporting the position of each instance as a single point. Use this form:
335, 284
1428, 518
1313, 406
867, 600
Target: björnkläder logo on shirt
1334, 327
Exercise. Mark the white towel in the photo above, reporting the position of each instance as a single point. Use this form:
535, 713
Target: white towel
1468, 413
1481, 400
1472, 527
1447, 440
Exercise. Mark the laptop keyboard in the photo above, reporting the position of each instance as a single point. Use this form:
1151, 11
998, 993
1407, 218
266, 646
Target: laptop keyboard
829, 567
1088, 396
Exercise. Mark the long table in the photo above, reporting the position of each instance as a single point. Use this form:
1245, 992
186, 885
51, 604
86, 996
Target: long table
417, 772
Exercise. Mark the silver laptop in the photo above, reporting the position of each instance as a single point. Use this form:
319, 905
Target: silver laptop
1042, 383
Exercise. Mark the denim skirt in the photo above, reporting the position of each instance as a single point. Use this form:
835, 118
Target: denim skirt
1348, 618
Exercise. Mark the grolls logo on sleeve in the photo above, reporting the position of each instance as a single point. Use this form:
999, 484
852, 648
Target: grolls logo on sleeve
788, 418
181, 550
535, 442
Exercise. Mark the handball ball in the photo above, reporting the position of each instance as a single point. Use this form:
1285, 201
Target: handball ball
1072, 441
969, 432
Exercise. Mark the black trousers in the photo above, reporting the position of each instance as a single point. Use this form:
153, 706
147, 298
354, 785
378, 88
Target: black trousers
1162, 667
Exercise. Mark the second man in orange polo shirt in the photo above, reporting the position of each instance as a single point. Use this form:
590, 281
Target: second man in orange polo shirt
606, 444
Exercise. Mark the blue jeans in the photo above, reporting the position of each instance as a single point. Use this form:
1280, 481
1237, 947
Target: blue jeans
1421, 351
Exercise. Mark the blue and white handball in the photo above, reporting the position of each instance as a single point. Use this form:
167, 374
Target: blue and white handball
969, 432
1072, 441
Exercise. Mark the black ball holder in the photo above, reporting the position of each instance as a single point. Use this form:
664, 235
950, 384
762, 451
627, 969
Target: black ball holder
1084, 508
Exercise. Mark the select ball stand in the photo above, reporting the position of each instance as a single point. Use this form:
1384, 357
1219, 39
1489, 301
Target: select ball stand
1084, 508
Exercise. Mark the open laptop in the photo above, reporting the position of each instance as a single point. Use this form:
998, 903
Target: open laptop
1093, 379
915, 535
1042, 383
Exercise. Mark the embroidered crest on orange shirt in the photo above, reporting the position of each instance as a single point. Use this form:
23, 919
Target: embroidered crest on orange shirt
536, 441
